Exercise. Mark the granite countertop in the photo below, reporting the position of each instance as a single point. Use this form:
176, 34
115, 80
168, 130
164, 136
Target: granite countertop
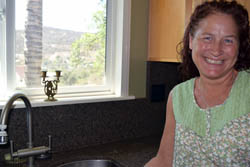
130, 153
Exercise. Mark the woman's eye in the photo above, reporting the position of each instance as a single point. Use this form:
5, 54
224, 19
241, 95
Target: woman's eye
228, 41
207, 38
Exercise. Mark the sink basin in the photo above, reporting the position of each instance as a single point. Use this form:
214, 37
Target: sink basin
92, 163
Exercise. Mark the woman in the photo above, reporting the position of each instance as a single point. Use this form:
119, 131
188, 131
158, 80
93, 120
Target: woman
208, 116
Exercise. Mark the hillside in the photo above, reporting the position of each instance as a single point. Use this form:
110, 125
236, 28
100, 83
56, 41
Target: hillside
54, 40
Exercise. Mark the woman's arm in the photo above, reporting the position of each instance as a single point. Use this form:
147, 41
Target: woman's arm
164, 157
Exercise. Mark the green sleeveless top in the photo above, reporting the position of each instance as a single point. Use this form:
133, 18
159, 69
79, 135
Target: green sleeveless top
215, 137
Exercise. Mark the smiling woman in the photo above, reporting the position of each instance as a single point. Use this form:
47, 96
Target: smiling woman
207, 121
215, 46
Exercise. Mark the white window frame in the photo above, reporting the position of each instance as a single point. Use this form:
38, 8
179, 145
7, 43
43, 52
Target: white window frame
119, 36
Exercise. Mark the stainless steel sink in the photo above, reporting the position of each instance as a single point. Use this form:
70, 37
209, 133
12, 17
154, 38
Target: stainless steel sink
92, 163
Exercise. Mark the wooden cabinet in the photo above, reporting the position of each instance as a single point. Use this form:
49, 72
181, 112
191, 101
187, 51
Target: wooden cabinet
166, 28
167, 19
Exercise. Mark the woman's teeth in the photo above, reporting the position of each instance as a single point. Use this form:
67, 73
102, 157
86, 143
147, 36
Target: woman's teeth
214, 61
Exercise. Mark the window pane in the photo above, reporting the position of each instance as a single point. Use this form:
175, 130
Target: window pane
61, 35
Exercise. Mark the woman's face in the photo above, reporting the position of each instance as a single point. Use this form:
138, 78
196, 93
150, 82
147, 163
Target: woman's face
215, 45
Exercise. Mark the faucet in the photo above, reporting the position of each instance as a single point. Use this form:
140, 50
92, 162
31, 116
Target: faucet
30, 151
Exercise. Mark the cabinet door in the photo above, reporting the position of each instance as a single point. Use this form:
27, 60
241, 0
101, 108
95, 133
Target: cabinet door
166, 29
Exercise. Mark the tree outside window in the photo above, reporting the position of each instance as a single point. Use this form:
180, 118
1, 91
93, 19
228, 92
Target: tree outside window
79, 55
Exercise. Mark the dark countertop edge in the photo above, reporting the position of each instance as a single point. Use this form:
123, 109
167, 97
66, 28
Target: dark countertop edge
129, 153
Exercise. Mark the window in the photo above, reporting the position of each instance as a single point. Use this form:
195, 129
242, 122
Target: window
87, 40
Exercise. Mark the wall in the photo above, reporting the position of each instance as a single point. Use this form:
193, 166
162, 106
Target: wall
138, 48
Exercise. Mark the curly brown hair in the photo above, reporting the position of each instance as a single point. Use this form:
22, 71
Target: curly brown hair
240, 16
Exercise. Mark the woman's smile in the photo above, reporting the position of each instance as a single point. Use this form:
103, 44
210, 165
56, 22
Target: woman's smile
211, 61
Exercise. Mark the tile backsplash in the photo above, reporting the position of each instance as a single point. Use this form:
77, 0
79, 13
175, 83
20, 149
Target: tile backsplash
82, 125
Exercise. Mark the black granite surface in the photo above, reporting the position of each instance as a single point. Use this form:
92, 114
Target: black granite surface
129, 153
82, 125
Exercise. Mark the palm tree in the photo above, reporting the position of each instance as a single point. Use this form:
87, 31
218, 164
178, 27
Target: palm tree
33, 43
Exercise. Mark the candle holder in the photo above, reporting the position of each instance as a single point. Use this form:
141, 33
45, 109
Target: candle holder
50, 86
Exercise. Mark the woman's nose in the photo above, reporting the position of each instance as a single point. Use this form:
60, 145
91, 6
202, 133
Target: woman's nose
217, 48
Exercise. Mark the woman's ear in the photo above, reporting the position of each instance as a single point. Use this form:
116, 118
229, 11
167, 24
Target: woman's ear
190, 42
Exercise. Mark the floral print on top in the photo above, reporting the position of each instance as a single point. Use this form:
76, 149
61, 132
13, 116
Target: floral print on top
218, 137
227, 148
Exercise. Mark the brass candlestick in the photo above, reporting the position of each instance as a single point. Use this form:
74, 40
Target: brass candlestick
50, 86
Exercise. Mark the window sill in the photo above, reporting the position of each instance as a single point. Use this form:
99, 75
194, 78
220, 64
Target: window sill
40, 102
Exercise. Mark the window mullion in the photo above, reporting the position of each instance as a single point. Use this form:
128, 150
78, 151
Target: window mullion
109, 44
122, 46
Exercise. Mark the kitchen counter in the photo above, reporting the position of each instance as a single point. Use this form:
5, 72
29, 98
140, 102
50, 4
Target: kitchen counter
130, 153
